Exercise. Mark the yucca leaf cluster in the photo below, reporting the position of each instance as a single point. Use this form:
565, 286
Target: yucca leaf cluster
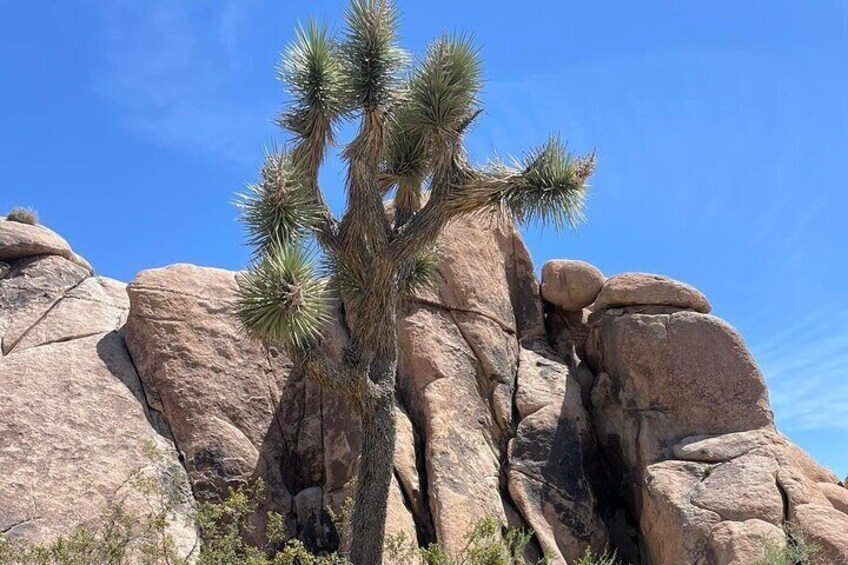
414, 116
279, 209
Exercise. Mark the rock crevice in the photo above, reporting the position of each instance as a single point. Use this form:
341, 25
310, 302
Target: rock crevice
615, 413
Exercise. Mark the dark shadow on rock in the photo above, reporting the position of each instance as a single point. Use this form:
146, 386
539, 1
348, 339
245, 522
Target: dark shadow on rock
291, 461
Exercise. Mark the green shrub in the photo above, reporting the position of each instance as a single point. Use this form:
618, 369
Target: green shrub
122, 538
119, 539
795, 552
23, 216
485, 546
592, 558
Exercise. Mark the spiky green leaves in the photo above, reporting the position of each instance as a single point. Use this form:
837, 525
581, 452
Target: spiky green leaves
311, 68
443, 91
280, 299
548, 186
373, 61
418, 274
551, 187
407, 151
280, 208
421, 273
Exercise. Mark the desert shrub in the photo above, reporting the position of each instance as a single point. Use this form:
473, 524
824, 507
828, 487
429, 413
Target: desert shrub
119, 539
592, 558
123, 538
485, 546
22, 215
795, 552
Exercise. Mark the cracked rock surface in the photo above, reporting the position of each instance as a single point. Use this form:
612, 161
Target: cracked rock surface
75, 431
638, 423
681, 412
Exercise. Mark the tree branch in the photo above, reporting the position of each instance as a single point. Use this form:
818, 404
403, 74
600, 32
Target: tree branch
420, 232
365, 220
548, 186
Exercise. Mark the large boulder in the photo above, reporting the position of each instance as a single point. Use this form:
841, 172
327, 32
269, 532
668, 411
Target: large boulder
664, 377
239, 411
682, 411
459, 373
642, 289
77, 433
571, 285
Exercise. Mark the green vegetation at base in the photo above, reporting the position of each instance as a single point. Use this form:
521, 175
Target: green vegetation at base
795, 552
122, 538
592, 558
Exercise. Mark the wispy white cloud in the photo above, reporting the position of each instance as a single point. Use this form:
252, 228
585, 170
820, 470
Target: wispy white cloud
170, 69
806, 366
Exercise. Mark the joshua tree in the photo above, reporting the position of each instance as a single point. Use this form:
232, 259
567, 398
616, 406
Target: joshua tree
409, 147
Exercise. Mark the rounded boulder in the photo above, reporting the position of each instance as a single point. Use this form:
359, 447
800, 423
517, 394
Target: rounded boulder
571, 285
643, 289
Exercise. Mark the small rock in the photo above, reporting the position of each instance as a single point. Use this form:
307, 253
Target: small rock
571, 285
641, 289
836, 495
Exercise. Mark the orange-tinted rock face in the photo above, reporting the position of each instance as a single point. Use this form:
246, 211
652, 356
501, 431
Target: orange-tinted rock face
628, 417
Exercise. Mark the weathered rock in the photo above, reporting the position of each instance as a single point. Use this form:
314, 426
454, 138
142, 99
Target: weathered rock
743, 543
681, 409
19, 240
668, 377
407, 471
747, 475
571, 285
219, 392
399, 521
568, 333
438, 375
825, 527
239, 412
491, 421
718, 449
547, 478
97, 305
507, 293
29, 292
675, 530
742, 489
836, 495
457, 372
76, 437
641, 289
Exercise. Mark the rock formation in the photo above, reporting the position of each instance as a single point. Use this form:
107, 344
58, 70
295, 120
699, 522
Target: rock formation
76, 430
595, 412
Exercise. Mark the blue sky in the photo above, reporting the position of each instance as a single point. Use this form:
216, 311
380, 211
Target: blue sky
721, 129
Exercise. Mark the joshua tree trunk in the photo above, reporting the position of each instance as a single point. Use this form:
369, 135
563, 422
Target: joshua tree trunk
375, 331
374, 478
